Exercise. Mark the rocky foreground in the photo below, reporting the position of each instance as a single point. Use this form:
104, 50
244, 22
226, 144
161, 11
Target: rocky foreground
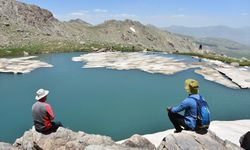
68, 139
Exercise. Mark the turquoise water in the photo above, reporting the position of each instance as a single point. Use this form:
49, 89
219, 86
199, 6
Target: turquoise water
104, 101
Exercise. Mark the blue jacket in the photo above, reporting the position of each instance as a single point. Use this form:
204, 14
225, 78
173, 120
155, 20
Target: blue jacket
190, 107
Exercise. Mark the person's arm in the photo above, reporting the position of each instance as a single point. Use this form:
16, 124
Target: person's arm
181, 107
50, 111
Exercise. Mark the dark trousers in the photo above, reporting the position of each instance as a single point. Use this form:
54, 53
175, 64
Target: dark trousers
178, 121
55, 126
245, 141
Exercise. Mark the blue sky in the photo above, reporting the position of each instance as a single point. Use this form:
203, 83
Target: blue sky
161, 13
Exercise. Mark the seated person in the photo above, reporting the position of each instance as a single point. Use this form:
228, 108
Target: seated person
43, 115
189, 105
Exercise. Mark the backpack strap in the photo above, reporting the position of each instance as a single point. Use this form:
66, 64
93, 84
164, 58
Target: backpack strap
196, 100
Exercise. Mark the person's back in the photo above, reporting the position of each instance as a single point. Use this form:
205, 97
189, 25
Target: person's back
43, 115
189, 105
41, 119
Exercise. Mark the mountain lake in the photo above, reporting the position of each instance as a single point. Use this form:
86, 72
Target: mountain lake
108, 102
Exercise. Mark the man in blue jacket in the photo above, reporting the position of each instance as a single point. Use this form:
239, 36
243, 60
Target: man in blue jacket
188, 121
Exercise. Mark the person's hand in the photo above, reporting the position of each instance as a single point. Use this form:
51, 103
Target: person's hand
169, 108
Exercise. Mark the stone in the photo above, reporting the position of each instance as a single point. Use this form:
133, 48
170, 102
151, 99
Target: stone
21, 64
189, 140
138, 141
19, 30
236, 75
94, 48
82, 42
243, 59
68, 139
25, 53
6, 146
6, 24
235, 64
107, 147
212, 74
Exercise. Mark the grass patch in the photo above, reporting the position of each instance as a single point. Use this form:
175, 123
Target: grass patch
217, 57
63, 46
71, 46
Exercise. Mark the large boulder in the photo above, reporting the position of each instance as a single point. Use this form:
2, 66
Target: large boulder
6, 146
62, 139
193, 141
66, 139
138, 141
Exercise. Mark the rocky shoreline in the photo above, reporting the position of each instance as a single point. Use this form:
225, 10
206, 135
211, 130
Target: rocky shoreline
215, 71
222, 135
21, 65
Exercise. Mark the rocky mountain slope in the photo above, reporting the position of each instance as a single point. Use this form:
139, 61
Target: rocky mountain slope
191, 140
67, 139
224, 46
31, 27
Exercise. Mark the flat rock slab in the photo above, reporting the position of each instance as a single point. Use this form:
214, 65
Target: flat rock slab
230, 130
188, 140
215, 71
238, 76
125, 61
212, 74
21, 65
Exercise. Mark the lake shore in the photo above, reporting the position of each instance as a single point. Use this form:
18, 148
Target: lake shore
215, 71
221, 134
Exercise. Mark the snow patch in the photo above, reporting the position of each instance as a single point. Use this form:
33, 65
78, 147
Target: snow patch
132, 29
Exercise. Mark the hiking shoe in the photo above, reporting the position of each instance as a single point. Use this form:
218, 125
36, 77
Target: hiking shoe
177, 131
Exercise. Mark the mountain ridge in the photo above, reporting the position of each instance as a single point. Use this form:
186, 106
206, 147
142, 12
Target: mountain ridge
24, 25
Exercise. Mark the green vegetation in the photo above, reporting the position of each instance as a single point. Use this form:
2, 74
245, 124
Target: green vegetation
217, 57
69, 46
65, 46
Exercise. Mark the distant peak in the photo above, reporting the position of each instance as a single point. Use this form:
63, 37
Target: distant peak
79, 21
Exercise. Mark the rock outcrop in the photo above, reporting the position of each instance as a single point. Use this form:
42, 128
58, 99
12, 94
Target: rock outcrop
138, 141
66, 139
192, 141
6, 146
219, 72
21, 65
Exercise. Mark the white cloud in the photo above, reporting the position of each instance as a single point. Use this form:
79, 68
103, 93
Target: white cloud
244, 14
180, 9
178, 16
123, 15
100, 10
79, 13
